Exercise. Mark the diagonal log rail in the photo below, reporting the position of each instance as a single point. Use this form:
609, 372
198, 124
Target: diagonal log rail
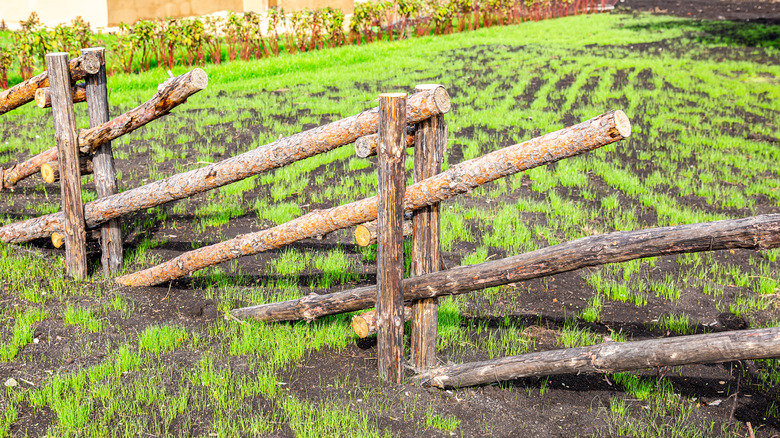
757, 232
170, 94
462, 178
612, 357
264, 158
24, 92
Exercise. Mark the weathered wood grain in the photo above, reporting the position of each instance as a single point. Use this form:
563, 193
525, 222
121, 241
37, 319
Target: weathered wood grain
367, 146
105, 172
390, 247
757, 232
462, 178
68, 153
613, 357
271, 156
430, 144
170, 94
24, 92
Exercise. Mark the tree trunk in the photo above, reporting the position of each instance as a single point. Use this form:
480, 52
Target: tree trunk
757, 232
390, 247
430, 144
24, 92
50, 172
366, 234
43, 95
170, 94
462, 178
105, 171
366, 146
68, 153
613, 357
271, 156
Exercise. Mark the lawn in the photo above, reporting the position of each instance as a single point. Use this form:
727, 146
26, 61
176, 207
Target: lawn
92, 358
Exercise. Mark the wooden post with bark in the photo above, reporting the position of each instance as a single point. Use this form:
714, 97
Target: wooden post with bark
613, 357
430, 142
462, 178
68, 157
390, 249
264, 158
103, 160
757, 232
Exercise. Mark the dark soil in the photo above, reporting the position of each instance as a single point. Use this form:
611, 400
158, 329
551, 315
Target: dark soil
766, 11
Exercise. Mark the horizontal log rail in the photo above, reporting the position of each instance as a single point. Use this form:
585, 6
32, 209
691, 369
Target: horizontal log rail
612, 357
24, 92
43, 95
462, 178
366, 234
367, 146
262, 159
170, 94
757, 232
50, 172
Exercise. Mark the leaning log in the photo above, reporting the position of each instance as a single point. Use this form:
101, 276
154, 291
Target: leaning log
43, 95
24, 92
612, 357
367, 146
170, 94
365, 234
271, 156
50, 172
757, 232
462, 178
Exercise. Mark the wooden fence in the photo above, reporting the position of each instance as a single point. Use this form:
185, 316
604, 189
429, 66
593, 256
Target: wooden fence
400, 121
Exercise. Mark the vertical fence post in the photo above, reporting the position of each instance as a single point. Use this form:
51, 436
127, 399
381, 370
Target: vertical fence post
68, 158
430, 143
103, 161
390, 254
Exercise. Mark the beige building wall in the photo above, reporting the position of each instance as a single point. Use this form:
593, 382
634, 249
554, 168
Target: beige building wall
104, 13
346, 6
130, 11
54, 12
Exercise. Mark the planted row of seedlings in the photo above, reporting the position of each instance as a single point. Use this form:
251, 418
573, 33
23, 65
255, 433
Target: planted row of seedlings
190, 41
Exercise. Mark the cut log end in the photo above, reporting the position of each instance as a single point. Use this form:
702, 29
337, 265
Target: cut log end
200, 79
40, 98
440, 96
91, 62
622, 123
49, 175
57, 239
363, 147
360, 326
363, 235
